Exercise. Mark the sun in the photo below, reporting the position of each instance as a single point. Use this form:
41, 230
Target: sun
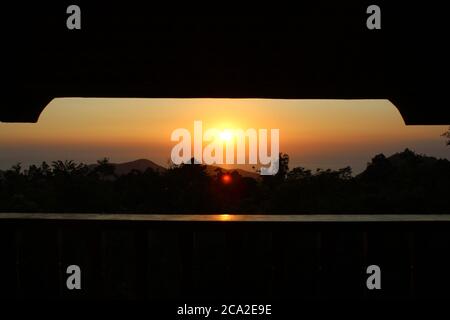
226, 135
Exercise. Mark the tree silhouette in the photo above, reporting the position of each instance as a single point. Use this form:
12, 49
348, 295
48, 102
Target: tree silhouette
68, 167
447, 135
404, 182
104, 169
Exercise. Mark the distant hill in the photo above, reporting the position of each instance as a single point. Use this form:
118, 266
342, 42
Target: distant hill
144, 164
211, 170
407, 165
139, 165
408, 157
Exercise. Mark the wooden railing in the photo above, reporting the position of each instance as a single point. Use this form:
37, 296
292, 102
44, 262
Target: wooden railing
224, 256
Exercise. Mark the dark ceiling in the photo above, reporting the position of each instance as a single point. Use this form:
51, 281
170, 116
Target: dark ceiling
307, 52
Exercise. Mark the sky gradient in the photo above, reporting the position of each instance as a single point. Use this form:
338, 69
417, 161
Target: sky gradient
315, 133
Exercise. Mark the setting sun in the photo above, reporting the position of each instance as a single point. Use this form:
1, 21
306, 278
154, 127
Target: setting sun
226, 135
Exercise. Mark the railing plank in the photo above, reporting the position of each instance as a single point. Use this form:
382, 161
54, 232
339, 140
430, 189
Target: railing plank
153, 259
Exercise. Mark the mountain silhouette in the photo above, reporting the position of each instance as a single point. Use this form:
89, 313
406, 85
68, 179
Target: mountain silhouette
405, 165
143, 164
139, 165
212, 171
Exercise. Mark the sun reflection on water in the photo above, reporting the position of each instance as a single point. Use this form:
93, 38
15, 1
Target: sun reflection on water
224, 217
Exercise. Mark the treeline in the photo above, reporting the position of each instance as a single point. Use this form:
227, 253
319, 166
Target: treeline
403, 183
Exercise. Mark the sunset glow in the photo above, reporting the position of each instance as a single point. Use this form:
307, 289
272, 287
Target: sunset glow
226, 135
315, 133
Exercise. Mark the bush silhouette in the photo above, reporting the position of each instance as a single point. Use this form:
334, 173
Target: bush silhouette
405, 182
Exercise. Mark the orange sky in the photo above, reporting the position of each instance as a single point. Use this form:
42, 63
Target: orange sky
315, 133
